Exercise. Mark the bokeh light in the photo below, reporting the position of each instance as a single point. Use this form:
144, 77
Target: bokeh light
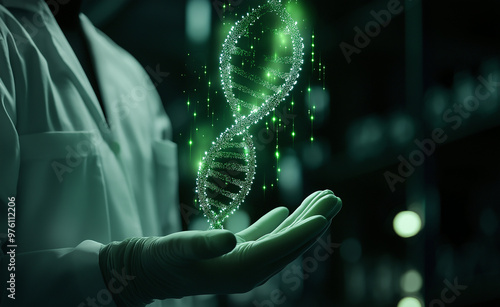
409, 302
411, 281
407, 224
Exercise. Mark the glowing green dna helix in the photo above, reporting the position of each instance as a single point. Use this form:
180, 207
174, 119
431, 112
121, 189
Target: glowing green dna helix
227, 171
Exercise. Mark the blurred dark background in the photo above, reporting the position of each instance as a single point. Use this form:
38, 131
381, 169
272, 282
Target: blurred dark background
401, 122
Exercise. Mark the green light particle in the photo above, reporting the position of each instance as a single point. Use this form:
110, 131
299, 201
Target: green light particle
274, 118
312, 117
190, 142
293, 134
278, 154
263, 187
312, 139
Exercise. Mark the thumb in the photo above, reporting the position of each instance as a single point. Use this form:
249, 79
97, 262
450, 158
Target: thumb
200, 245
218, 242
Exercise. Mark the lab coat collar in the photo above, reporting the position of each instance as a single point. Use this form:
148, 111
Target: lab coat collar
41, 7
30, 5
34, 6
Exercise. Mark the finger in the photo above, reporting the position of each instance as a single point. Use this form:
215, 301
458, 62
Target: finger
325, 204
316, 206
303, 206
277, 246
264, 225
197, 245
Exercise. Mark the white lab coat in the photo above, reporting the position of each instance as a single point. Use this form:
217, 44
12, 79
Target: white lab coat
79, 182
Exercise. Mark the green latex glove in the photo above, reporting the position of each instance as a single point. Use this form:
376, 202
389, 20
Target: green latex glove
216, 261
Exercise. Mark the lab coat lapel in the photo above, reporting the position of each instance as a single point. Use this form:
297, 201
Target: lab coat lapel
106, 73
70, 59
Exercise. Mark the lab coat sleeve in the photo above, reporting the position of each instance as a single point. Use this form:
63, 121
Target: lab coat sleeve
58, 277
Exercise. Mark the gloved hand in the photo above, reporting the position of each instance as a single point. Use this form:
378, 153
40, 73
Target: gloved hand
216, 261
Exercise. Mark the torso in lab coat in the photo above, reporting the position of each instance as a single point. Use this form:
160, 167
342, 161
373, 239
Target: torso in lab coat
76, 174
82, 176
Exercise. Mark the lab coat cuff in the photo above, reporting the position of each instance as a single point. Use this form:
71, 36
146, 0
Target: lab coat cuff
89, 277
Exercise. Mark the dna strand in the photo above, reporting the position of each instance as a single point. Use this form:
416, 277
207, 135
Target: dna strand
255, 80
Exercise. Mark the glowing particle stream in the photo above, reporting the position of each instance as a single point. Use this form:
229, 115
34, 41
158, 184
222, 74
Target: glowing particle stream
227, 171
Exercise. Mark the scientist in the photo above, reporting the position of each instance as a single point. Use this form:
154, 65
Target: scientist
96, 209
